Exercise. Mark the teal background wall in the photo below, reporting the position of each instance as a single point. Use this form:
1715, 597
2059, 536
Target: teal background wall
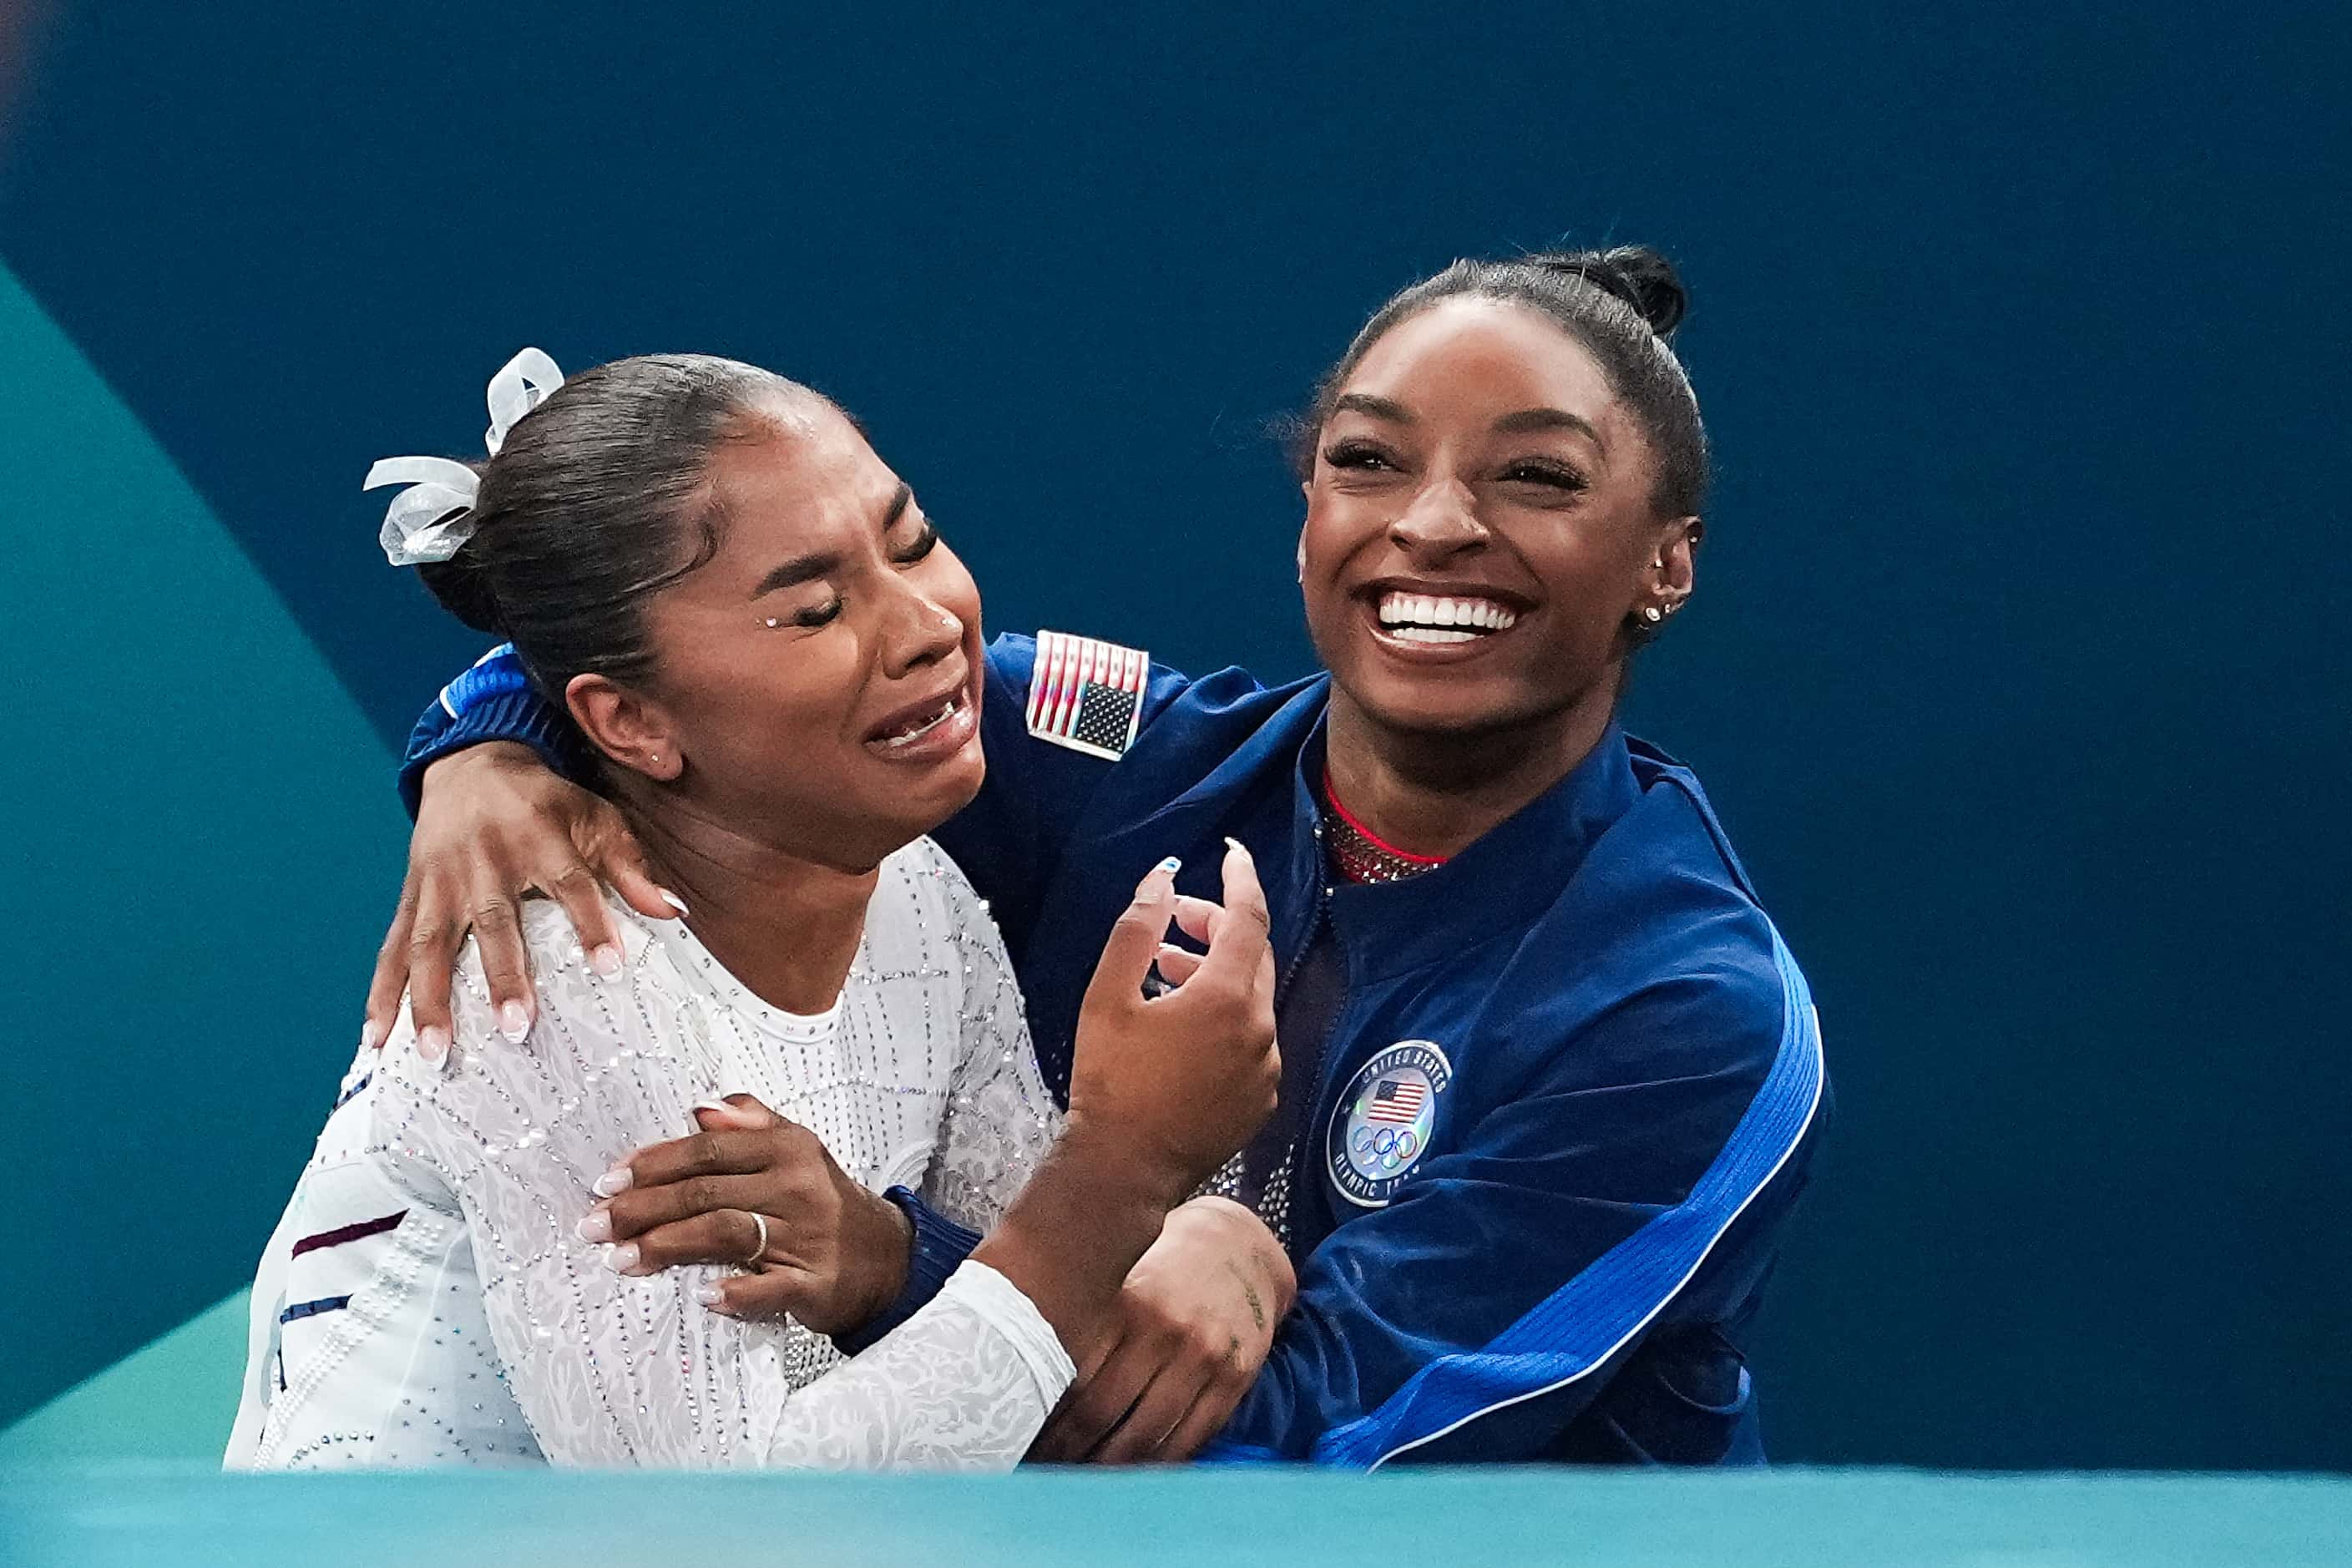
2019, 665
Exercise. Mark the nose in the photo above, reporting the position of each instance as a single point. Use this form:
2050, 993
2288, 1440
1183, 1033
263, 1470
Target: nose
921, 631
1440, 522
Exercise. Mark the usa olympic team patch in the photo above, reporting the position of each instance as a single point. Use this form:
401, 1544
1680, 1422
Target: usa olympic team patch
1383, 1122
1088, 694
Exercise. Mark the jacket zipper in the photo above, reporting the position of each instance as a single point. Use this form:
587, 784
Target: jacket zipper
1303, 1134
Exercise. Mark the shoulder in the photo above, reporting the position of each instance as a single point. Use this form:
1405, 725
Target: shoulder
1687, 1027
1672, 965
583, 1019
922, 895
1676, 814
927, 927
923, 880
562, 979
1101, 697
438, 1124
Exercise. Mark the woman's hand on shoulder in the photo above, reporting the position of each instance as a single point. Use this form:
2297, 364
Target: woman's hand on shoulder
494, 825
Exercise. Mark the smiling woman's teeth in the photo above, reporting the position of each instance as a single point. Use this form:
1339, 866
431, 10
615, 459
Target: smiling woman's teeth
1424, 618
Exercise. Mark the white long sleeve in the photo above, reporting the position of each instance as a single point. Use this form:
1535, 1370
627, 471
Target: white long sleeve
491, 1164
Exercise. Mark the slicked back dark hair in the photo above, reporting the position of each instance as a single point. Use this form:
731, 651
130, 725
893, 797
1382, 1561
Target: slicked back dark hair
1620, 303
595, 501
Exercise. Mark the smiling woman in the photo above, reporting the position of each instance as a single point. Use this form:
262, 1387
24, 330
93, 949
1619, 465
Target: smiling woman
1492, 524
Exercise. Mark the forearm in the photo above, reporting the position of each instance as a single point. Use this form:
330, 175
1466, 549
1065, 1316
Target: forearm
1068, 1241
492, 702
937, 1247
965, 1384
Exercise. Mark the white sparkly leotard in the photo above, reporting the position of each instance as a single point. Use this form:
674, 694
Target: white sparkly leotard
425, 1300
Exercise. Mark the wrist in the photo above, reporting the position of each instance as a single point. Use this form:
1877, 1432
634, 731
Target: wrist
1246, 1245
937, 1247
888, 1245
1126, 1172
502, 756
481, 756
1071, 1235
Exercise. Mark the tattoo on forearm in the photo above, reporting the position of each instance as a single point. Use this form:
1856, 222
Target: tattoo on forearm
1232, 1351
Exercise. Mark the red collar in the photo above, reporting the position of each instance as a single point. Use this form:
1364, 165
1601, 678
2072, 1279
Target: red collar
1359, 855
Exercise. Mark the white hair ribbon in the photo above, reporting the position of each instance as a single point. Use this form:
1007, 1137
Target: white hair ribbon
434, 517
522, 385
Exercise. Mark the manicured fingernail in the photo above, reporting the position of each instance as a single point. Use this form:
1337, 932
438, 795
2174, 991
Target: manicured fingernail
619, 1179
605, 961
433, 1042
672, 899
1172, 865
371, 1035
1235, 845
622, 1258
596, 1225
514, 1022
711, 1295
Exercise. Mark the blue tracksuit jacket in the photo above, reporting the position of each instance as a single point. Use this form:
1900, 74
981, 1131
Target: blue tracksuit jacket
1569, 1100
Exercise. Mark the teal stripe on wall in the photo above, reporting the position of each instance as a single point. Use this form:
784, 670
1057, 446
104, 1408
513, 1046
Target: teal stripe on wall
174, 1399
200, 848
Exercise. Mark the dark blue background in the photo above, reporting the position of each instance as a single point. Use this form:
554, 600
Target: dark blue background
2018, 668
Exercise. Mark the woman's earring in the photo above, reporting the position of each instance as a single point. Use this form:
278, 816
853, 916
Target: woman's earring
1651, 613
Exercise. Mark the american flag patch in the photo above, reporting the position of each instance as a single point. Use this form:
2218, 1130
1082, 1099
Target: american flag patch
1396, 1100
1086, 695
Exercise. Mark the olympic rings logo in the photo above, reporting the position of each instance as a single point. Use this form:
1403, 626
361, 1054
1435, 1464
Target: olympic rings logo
1386, 1147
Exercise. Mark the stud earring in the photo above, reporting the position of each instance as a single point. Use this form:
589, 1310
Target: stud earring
1651, 613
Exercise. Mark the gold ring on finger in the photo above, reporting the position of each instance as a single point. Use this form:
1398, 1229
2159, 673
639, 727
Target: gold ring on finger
759, 1247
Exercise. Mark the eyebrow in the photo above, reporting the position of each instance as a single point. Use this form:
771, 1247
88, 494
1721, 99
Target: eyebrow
1378, 407
1532, 419
803, 569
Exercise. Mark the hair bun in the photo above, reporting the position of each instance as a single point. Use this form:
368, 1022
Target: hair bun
1634, 273
464, 589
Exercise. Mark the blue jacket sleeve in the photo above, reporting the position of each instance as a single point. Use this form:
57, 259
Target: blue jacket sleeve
493, 701
938, 1248
1009, 840
1477, 1314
